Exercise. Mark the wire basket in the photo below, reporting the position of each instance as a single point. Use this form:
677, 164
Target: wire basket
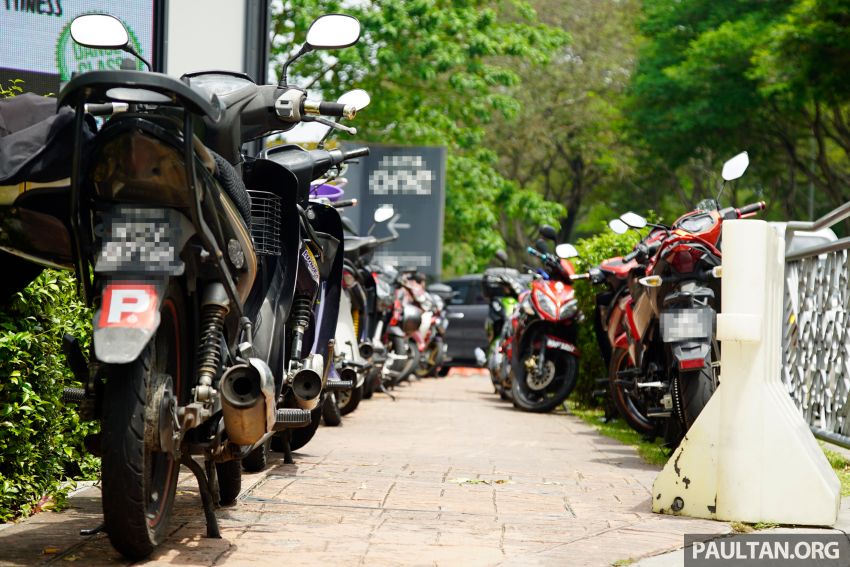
265, 222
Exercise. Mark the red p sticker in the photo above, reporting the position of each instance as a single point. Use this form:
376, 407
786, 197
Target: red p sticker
129, 305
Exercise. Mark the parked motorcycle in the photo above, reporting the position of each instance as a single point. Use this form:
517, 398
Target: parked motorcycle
209, 329
667, 347
542, 347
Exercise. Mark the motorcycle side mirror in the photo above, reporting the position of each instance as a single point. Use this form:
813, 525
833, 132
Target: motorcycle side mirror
333, 31
618, 226
633, 220
548, 232
383, 213
502, 256
102, 31
735, 167
358, 98
541, 246
566, 251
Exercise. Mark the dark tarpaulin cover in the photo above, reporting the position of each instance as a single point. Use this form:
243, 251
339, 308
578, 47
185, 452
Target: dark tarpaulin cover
36, 141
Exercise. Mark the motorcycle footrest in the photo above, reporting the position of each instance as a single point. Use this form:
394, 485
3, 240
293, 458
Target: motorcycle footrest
659, 412
600, 393
630, 372
338, 385
287, 418
73, 395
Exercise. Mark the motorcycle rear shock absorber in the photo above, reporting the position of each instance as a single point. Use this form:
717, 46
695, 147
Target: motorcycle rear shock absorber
214, 308
302, 308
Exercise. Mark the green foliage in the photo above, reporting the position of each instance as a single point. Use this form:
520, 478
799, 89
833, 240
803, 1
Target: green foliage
13, 87
439, 73
592, 251
40, 438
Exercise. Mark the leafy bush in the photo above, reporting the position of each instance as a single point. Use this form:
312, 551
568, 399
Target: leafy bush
592, 251
40, 438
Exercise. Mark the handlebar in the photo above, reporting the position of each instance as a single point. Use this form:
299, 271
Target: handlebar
107, 108
320, 108
744, 212
344, 203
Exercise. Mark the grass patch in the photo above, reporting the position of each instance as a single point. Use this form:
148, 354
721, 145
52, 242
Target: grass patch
841, 465
650, 451
622, 562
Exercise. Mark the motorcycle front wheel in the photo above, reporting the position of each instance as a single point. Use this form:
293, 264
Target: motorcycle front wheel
530, 396
348, 400
139, 480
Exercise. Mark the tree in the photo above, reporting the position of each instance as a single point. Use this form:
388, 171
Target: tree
438, 71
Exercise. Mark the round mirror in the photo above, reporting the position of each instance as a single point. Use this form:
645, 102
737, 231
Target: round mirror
502, 256
541, 246
549, 232
618, 226
633, 220
384, 213
99, 30
735, 167
358, 98
566, 251
333, 31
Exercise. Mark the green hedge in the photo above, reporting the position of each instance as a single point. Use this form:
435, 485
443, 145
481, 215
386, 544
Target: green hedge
40, 438
591, 252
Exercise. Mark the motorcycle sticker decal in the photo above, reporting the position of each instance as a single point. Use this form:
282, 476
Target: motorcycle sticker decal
131, 305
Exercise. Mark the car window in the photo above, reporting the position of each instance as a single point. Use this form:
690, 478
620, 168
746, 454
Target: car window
476, 294
461, 290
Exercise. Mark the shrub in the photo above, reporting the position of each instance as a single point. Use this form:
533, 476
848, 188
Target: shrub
40, 438
592, 251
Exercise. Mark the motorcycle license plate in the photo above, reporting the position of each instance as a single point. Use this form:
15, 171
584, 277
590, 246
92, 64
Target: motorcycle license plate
554, 342
137, 240
686, 324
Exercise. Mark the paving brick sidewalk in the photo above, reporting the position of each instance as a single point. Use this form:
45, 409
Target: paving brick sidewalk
446, 475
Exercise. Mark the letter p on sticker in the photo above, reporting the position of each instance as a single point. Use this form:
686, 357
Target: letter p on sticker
697, 549
129, 305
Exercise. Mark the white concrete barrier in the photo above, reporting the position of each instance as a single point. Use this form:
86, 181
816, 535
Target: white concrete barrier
750, 456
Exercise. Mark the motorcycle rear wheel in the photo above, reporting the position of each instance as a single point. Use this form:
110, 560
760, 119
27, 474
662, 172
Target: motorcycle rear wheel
566, 372
330, 411
629, 408
139, 481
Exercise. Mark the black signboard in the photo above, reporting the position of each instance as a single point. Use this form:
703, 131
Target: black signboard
413, 181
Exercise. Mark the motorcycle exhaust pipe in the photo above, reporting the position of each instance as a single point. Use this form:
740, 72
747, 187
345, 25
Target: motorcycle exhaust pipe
366, 349
306, 383
247, 401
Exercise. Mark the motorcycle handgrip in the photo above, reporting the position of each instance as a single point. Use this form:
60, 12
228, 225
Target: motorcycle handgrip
386, 239
344, 203
751, 209
315, 108
106, 109
630, 256
356, 153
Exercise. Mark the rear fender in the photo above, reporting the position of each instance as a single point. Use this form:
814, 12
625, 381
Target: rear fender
127, 318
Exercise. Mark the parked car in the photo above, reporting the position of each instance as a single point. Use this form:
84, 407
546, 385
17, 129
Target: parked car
467, 313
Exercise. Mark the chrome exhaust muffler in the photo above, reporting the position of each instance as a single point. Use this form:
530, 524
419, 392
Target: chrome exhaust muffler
366, 349
247, 401
306, 382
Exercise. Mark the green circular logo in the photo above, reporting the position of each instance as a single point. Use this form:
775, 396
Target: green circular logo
72, 57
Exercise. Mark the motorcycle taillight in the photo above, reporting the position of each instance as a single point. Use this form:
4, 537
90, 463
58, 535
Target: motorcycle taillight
683, 258
348, 280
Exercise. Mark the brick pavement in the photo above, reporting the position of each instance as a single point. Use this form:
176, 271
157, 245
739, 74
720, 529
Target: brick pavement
446, 475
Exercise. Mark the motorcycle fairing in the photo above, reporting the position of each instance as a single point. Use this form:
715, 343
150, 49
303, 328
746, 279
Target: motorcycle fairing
561, 344
127, 318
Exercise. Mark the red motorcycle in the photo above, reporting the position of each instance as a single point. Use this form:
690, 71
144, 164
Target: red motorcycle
667, 350
541, 347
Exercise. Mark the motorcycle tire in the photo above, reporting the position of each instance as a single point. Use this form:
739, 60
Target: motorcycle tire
444, 371
412, 352
372, 376
695, 388
566, 373
258, 459
628, 407
138, 482
229, 481
330, 411
430, 360
349, 402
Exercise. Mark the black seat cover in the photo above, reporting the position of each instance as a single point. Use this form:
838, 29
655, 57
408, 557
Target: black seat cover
36, 142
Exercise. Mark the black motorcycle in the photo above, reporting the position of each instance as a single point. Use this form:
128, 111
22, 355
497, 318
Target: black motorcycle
214, 282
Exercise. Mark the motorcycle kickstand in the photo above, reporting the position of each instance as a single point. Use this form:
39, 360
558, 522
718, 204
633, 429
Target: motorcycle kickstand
287, 449
92, 531
383, 389
207, 501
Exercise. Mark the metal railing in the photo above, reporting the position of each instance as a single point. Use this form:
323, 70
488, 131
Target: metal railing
816, 329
